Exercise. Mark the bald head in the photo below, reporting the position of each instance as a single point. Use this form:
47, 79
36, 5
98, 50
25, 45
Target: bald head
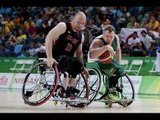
78, 21
80, 15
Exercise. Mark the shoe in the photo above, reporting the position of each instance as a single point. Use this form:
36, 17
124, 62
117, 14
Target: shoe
71, 92
29, 94
123, 101
81, 105
112, 95
124, 97
59, 92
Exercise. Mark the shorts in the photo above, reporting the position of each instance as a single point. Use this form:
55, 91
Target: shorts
70, 64
111, 68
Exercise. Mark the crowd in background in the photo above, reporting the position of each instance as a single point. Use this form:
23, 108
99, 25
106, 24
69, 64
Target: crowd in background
23, 29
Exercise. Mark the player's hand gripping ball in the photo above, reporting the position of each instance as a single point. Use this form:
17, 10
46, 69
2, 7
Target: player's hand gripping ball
106, 57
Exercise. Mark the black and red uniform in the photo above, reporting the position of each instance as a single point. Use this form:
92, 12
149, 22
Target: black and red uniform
64, 49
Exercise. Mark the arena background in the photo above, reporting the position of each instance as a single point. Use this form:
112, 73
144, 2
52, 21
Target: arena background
17, 21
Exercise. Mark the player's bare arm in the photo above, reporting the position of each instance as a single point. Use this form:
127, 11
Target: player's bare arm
79, 52
118, 51
52, 36
79, 55
96, 49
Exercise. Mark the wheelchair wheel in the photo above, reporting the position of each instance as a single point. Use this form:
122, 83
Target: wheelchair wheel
94, 83
39, 84
126, 90
82, 86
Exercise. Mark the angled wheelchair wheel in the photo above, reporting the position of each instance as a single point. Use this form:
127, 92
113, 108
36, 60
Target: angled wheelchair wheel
126, 90
94, 83
82, 96
39, 84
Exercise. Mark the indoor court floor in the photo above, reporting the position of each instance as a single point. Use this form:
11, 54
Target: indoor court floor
12, 102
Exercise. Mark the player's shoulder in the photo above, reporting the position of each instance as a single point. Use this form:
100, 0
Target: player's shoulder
62, 24
98, 37
117, 36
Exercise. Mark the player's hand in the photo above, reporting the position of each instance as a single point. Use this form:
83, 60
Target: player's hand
110, 48
50, 62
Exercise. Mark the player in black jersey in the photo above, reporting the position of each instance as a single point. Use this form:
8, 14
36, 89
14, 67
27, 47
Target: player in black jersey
64, 47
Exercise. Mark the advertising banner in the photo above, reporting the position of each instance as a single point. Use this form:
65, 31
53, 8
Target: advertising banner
150, 85
142, 84
5, 80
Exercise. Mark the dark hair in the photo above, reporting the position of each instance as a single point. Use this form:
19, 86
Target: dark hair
135, 32
143, 31
110, 28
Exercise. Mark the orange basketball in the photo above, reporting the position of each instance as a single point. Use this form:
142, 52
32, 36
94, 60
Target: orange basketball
106, 57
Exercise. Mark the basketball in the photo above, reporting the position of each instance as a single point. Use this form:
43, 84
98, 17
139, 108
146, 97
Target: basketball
106, 57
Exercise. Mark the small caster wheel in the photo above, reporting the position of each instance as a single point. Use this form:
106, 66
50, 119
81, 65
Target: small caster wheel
124, 103
66, 105
110, 105
55, 103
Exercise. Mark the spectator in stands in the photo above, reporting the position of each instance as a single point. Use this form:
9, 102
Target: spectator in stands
154, 23
134, 34
121, 22
97, 21
46, 28
20, 18
21, 36
29, 21
11, 43
146, 40
9, 22
88, 39
144, 23
1, 19
49, 12
32, 50
4, 52
135, 45
31, 30
16, 21
4, 31
93, 28
105, 22
152, 50
154, 27
133, 22
41, 50
18, 49
23, 53
40, 31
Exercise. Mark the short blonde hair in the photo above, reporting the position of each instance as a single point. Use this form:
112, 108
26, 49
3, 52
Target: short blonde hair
110, 28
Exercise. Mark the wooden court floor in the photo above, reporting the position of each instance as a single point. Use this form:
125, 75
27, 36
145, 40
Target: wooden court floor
12, 102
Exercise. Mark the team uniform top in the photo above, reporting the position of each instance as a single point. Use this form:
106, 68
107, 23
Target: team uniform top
67, 42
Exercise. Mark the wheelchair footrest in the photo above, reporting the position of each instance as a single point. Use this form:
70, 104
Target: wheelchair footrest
113, 101
79, 100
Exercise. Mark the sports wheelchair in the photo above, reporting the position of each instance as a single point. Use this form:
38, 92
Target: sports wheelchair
43, 83
99, 87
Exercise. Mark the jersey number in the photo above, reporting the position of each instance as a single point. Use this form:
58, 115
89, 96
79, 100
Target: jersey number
69, 47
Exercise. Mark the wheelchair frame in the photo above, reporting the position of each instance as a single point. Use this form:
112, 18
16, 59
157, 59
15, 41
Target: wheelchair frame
123, 81
46, 83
